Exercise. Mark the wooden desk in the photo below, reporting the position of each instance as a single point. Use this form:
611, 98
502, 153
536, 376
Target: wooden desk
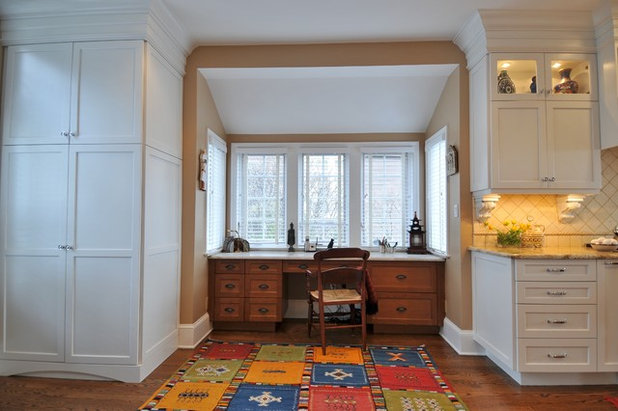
247, 291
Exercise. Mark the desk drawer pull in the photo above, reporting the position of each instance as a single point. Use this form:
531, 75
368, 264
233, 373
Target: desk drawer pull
263, 287
556, 292
402, 309
229, 310
556, 270
303, 266
561, 321
264, 267
401, 276
229, 286
230, 266
263, 310
563, 355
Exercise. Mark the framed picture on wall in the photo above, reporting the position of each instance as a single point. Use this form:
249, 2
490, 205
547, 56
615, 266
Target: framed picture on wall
451, 160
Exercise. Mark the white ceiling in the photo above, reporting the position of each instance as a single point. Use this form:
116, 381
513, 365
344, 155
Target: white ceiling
317, 100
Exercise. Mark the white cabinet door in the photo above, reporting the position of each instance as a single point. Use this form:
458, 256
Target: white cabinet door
32, 271
608, 307
573, 144
518, 149
37, 94
106, 106
103, 261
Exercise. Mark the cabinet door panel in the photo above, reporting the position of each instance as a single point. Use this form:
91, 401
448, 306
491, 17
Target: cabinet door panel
32, 267
37, 95
608, 307
106, 105
519, 148
573, 141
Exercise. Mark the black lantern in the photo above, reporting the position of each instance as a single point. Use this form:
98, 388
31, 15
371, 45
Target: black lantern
417, 237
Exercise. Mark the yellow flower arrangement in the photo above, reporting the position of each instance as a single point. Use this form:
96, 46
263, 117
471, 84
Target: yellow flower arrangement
510, 233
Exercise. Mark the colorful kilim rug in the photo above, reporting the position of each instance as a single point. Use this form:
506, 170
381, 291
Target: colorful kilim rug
251, 376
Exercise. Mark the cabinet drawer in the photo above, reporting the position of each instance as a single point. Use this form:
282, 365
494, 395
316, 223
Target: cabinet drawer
417, 309
403, 278
262, 309
299, 266
263, 286
229, 266
557, 321
229, 285
263, 266
229, 309
556, 270
545, 292
551, 355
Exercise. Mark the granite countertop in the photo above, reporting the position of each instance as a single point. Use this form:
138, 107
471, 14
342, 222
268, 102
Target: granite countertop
301, 255
558, 253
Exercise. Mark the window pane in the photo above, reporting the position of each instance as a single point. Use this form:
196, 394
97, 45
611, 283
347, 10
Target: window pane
215, 200
261, 200
324, 205
435, 159
386, 198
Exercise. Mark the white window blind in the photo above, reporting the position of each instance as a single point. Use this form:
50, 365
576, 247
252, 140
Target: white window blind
435, 187
215, 192
324, 198
261, 205
387, 198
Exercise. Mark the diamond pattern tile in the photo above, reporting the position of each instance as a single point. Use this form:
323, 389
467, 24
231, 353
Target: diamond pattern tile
597, 216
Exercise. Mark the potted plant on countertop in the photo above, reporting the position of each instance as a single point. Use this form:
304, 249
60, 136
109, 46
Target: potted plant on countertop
510, 233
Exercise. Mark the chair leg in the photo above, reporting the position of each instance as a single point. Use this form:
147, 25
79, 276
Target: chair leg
309, 317
322, 329
364, 325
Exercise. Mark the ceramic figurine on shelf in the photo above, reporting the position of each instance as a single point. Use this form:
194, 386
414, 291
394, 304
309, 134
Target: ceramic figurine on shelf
566, 85
291, 238
533, 85
505, 84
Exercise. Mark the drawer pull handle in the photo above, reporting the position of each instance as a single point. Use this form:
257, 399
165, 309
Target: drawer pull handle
263, 287
611, 263
562, 321
229, 310
401, 276
263, 267
230, 266
556, 270
563, 355
556, 292
402, 309
303, 266
229, 286
263, 310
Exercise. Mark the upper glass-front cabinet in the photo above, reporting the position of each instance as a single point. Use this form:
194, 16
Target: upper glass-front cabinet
518, 76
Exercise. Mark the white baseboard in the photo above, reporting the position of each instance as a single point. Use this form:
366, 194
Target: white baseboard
190, 335
460, 340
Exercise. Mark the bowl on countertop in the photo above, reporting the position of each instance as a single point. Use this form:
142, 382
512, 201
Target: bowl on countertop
604, 247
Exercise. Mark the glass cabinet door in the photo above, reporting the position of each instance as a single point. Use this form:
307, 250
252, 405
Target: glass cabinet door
517, 76
571, 76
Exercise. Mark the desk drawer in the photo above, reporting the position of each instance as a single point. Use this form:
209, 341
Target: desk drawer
263, 266
229, 309
549, 355
417, 309
262, 309
556, 292
229, 266
299, 266
403, 278
229, 285
556, 270
263, 286
557, 321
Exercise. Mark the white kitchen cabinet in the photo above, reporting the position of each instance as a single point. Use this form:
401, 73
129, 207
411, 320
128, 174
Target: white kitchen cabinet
608, 307
534, 142
88, 93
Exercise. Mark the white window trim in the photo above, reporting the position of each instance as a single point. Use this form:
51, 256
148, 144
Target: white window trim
293, 151
438, 136
212, 139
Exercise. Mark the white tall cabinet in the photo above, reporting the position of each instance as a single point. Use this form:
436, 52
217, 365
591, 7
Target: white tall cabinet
90, 210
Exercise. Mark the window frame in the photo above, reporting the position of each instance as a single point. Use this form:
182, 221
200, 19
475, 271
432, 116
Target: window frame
213, 141
439, 136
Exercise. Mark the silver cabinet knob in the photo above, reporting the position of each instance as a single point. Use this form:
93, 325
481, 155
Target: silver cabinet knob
62, 247
69, 247
64, 133
72, 134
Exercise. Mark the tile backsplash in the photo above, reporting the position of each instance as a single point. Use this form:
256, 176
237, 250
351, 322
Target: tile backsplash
597, 217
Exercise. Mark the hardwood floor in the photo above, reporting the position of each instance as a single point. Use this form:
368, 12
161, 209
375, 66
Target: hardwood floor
479, 383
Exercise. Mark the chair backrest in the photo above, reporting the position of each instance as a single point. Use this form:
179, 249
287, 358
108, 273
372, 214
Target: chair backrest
350, 270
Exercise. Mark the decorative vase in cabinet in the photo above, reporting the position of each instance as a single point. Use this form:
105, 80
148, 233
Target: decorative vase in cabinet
505, 84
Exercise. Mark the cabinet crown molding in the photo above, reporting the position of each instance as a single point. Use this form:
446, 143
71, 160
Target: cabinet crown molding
526, 31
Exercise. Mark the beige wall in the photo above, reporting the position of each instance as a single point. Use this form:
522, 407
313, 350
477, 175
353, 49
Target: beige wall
452, 112
201, 113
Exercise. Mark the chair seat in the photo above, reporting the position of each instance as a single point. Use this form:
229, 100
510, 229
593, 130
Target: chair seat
333, 296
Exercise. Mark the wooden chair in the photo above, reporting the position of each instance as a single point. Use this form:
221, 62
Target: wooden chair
343, 284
